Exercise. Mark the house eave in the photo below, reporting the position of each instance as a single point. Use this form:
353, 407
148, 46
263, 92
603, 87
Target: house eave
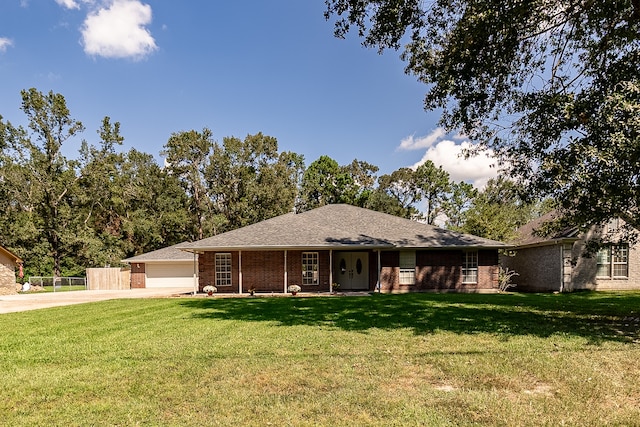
553, 242
337, 248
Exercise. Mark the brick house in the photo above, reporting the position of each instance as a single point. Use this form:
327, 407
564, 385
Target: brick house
8, 265
558, 262
360, 249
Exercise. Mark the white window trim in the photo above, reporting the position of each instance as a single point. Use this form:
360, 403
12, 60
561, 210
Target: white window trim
407, 264
315, 276
229, 272
611, 263
470, 267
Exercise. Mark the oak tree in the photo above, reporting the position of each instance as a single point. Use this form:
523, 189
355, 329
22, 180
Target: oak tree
553, 87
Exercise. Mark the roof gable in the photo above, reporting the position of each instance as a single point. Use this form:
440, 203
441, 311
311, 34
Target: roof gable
339, 226
530, 233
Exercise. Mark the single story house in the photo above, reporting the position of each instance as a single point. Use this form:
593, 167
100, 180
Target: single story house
558, 262
9, 263
359, 249
165, 268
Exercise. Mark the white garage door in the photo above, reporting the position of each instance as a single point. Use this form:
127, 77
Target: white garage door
169, 275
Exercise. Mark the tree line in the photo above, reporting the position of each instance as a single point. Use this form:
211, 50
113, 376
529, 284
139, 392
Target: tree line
63, 215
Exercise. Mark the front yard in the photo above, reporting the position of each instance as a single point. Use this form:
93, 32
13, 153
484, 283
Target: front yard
417, 359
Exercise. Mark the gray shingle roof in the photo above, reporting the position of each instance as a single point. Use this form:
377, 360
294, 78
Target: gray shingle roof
530, 233
171, 253
339, 227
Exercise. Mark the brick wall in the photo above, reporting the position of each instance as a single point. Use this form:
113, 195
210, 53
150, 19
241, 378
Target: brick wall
207, 272
264, 271
138, 276
440, 270
539, 268
7, 273
584, 272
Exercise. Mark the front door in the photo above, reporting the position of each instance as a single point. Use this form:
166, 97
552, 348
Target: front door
352, 270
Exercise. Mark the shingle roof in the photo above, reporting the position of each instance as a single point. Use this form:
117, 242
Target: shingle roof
530, 233
339, 226
171, 253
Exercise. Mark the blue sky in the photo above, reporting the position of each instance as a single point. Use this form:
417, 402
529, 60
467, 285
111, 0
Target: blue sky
237, 67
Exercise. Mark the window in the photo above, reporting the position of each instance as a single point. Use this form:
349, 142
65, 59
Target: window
470, 267
223, 269
604, 262
408, 268
310, 268
613, 261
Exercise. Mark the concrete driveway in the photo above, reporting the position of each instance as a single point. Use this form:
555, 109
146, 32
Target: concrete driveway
34, 301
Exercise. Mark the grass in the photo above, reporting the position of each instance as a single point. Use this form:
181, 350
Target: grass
418, 359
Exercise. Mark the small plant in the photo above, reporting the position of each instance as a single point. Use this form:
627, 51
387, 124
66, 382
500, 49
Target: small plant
335, 287
210, 289
504, 279
294, 289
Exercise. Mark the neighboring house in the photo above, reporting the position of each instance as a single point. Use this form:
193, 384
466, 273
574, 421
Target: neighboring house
9, 263
360, 249
167, 267
558, 262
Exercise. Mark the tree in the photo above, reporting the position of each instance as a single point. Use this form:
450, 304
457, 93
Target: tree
322, 184
397, 194
363, 180
325, 182
498, 211
434, 188
553, 87
249, 181
153, 205
455, 208
49, 176
187, 156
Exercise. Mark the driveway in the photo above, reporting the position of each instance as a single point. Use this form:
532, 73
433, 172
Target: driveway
34, 301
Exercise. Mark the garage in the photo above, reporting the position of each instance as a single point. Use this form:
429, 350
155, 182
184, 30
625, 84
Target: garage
169, 274
165, 268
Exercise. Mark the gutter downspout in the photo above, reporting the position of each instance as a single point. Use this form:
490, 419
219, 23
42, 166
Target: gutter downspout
195, 273
286, 274
330, 270
379, 284
240, 272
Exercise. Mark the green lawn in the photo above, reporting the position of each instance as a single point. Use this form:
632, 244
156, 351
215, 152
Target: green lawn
419, 359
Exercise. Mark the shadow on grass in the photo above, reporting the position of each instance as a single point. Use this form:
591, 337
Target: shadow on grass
598, 317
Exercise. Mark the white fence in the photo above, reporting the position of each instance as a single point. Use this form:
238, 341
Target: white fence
61, 283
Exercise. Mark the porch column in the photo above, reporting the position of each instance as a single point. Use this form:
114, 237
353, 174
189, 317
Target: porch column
379, 285
195, 274
331, 270
240, 272
286, 273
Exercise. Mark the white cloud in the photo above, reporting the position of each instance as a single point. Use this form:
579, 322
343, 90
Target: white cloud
477, 169
118, 30
5, 43
69, 4
412, 143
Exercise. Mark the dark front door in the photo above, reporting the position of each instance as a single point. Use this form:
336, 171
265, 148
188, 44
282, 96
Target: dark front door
352, 270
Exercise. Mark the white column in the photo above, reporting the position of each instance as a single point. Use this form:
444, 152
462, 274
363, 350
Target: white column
286, 274
240, 272
195, 273
331, 270
379, 284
